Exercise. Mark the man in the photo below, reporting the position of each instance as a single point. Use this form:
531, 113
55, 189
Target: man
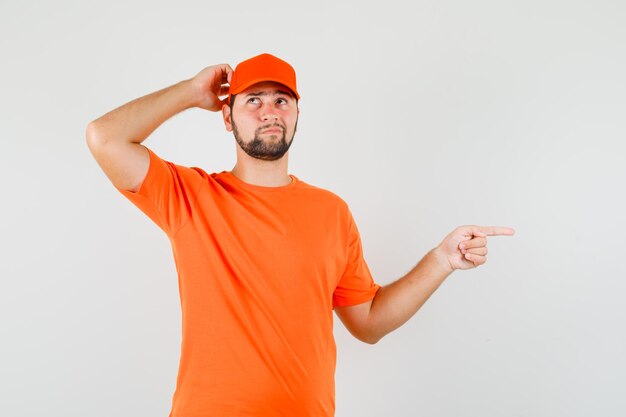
263, 257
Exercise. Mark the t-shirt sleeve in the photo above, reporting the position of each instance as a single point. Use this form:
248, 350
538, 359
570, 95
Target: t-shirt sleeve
167, 193
356, 285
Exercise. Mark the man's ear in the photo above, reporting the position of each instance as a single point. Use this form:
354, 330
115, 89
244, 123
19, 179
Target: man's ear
227, 117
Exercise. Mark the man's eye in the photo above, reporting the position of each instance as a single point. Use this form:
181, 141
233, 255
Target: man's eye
252, 98
283, 100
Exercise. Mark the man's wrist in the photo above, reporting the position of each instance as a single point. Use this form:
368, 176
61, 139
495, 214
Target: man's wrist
441, 261
188, 93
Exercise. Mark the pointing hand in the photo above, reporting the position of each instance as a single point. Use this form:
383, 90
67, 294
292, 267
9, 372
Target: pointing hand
466, 246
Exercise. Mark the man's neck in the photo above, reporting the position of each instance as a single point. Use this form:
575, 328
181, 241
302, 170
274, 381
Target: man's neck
263, 173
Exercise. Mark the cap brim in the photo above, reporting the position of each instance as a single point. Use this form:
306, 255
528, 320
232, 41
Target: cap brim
259, 80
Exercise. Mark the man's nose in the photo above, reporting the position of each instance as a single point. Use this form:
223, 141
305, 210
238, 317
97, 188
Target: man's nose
269, 112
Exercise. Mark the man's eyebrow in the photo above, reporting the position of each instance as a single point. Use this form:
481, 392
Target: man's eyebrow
264, 93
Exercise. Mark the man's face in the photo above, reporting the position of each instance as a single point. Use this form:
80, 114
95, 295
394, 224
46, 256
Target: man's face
264, 120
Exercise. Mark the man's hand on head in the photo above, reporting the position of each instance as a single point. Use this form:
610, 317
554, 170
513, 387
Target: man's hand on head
210, 84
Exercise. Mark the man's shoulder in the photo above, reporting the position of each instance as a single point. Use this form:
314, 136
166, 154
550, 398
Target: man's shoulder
181, 168
322, 194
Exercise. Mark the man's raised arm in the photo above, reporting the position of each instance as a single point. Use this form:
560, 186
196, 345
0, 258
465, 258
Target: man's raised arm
115, 138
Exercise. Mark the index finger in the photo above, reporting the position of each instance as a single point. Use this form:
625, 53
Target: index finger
227, 72
497, 230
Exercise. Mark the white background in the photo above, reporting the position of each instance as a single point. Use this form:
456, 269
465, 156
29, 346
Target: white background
423, 116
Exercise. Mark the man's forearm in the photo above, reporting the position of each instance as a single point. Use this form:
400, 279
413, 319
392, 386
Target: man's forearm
397, 302
137, 119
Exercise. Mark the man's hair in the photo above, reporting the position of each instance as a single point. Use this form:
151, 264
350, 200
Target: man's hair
232, 100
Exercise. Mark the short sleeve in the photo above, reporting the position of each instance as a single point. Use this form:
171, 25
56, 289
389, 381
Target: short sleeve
166, 194
356, 285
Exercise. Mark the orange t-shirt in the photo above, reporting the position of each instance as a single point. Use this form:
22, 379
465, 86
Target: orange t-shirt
260, 270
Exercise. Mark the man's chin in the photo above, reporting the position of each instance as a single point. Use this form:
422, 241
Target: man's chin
275, 154
266, 157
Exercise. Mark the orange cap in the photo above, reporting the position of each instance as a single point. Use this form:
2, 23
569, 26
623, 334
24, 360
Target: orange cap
264, 67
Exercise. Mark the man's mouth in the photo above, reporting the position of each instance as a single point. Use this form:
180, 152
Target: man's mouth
272, 130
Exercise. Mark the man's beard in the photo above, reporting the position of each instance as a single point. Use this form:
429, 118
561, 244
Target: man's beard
266, 149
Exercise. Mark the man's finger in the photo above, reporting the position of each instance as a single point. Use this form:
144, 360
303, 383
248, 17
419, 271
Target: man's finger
481, 250
496, 230
223, 90
227, 72
475, 259
476, 242
230, 71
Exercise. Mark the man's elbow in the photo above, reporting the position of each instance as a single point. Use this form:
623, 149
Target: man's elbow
365, 337
92, 136
370, 339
